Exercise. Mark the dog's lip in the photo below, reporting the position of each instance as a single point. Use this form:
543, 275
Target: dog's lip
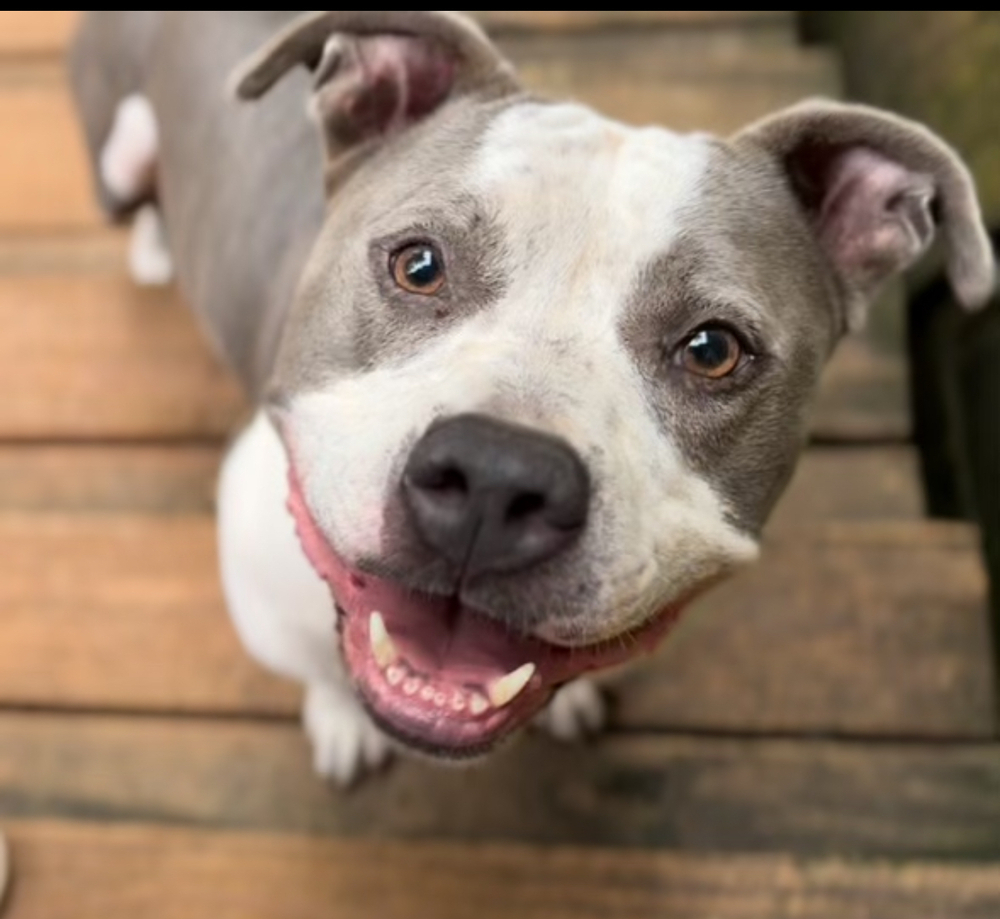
480, 653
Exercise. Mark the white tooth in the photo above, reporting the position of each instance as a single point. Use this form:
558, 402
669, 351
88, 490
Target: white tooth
441, 700
396, 676
412, 686
428, 693
479, 706
459, 703
382, 645
504, 692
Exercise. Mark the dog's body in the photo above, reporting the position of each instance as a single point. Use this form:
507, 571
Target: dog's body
536, 378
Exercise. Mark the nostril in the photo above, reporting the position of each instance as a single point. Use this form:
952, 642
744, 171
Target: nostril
447, 482
526, 506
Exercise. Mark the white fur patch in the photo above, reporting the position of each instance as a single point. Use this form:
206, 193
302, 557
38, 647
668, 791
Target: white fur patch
280, 606
584, 205
347, 747
577, 712
282, 610
149, 258
128, 161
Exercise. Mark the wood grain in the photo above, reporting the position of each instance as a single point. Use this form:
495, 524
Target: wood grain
107, 479
860, 629
871, 630
44, 177
35, 31
668, 793
93, 872
91, 356
131, 609
48, 31
710, 83
574, 20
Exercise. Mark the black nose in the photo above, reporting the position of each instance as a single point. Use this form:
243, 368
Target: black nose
495, 498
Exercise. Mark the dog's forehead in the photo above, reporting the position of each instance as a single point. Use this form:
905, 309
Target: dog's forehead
562, 178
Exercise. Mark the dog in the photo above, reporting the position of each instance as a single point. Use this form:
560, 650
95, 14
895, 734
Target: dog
529, 381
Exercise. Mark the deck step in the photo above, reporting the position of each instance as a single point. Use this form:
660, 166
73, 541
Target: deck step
847, 628
39, 32
669, 793
70, 871
91, 356
706, 82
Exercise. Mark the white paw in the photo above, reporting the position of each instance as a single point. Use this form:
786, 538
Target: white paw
347, 747
149, 259
128, 161
577, 712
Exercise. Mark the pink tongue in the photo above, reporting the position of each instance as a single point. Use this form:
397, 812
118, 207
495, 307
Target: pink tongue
440, 639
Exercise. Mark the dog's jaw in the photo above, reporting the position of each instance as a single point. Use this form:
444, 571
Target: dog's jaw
440, 678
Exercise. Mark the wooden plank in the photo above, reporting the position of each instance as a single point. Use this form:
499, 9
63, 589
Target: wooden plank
101, 249
89, 479
576, 20
858, 629
866, 392
709, 83
832, 484
93, 357
850, 484
35, 31
163, 642
673, 793
873, 631
70, 871
48, 31
44, 177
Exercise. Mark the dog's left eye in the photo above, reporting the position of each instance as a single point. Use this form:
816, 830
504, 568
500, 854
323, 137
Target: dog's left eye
419, 269
714, 353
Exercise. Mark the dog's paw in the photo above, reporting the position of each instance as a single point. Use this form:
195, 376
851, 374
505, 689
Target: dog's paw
577, 712
347, 747
128, 160
150, 261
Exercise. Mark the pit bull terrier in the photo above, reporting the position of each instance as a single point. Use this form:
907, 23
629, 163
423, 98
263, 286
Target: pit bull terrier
528, 379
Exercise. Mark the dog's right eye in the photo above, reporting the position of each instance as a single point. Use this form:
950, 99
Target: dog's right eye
713, 353
419, 269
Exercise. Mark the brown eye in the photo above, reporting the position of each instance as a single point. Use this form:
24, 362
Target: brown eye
713, 353
419, 269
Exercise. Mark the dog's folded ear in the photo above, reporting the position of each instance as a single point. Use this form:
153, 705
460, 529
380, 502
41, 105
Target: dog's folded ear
378, 72
878, 190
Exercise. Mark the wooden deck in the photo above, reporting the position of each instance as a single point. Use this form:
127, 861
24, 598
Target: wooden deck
819, 742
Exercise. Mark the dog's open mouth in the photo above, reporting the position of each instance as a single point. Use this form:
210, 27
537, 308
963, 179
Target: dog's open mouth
439, 677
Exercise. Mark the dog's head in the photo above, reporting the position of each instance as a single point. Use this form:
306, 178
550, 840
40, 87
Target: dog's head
547, 375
